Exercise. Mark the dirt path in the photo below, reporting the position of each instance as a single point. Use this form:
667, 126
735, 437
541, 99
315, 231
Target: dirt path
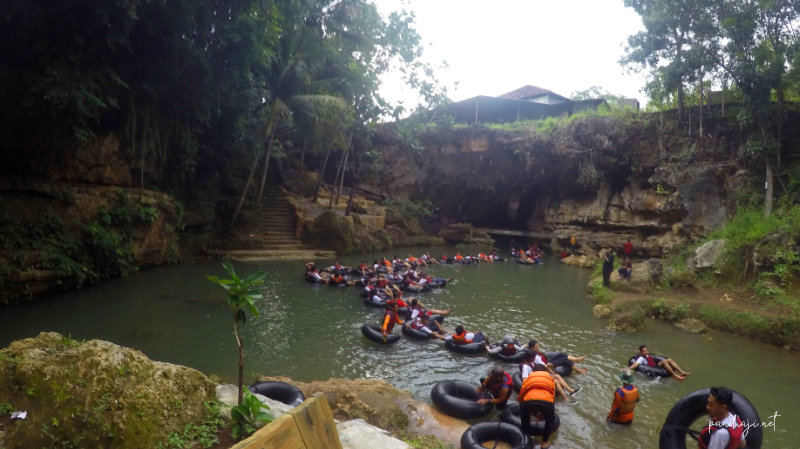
699, 296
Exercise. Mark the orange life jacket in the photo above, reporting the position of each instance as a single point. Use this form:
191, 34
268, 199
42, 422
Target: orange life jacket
461, 339
624, 403
538, 386
389, 320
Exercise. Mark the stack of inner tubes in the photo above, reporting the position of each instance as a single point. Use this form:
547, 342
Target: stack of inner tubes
458, 399
279, 391
477, 434
511, 415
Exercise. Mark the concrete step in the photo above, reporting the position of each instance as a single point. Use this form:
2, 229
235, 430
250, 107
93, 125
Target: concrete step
262, 255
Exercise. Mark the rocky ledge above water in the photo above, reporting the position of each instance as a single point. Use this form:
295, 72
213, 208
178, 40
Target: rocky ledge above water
98, 394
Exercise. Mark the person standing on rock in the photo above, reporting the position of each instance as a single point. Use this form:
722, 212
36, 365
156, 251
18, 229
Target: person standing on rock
572, 242
608, 266
627, 248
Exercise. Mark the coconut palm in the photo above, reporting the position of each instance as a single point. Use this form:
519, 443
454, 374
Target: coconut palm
297, 89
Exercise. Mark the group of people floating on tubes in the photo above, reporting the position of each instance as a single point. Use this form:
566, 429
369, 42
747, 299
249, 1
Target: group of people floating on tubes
468, 259
530, 256
403, 274
539, 382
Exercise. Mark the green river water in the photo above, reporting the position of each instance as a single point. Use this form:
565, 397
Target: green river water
312, 332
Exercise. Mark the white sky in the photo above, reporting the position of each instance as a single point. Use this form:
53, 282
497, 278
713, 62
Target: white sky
495, 46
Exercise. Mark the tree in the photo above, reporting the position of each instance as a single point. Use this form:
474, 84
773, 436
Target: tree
242, 295
760, 36
678, 45
294, 82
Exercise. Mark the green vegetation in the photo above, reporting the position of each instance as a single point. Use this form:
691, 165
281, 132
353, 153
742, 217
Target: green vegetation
77, 253
242, 295
599, 293
427, 442
248, 414
203, 434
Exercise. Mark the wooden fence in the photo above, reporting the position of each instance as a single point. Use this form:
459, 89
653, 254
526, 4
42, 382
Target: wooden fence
308, 426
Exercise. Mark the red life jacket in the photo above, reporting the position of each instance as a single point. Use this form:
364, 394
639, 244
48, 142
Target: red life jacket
417, 324
735, 432
544, 357
650, 360
496, 387
508, 350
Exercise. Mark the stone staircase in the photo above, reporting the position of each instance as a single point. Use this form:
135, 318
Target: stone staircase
275, 238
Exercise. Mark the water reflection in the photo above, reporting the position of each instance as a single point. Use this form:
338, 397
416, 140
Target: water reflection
312, 332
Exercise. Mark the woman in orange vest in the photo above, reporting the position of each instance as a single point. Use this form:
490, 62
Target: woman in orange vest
625, 400
536, 396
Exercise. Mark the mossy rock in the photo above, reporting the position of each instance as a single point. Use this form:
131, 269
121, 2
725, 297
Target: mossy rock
95, 394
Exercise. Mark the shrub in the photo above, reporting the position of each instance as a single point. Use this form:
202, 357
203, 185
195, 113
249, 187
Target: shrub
679, 312
682, 279
658, 308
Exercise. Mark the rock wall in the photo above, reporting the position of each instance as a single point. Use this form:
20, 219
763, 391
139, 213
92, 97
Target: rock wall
602, 179
94, 394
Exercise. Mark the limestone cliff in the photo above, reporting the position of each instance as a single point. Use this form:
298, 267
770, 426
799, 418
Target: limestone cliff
603, 179
94, 394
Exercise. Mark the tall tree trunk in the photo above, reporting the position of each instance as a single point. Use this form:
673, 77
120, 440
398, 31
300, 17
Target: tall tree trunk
266, 164
352, 195
341, 180
303, 155
241, 360
700, 118
768, 190
245, 189
321, 174
336, 180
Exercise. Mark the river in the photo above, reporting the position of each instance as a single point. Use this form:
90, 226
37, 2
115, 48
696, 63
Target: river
312, 332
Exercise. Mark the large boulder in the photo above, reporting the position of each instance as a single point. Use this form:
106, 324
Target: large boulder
708, 255
95, 394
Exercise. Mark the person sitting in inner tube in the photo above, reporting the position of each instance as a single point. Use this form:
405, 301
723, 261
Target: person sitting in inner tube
462, 337
541, 359
426, 278
422, 323
724, 430
398, 298
537, 395
390, 319
314, 276
508, 347
524, 257
495, 388
625, 400
376, 298
417, 309
644, 358
527, 366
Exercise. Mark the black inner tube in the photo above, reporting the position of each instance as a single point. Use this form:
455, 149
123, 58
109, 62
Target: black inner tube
692, 407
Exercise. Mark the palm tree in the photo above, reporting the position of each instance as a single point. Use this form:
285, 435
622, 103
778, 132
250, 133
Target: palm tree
296, 88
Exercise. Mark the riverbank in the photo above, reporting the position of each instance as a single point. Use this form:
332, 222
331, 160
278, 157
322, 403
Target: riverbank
693, 307
98, 394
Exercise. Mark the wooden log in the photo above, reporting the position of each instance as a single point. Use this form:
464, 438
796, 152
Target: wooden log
282, 433
308, 426
315, 421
